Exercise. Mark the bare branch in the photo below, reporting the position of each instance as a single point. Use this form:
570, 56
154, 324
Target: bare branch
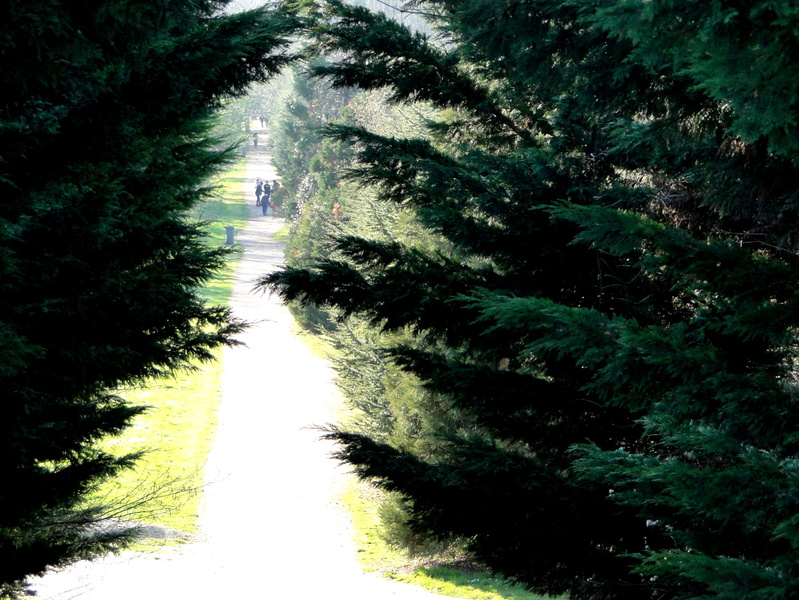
406, 11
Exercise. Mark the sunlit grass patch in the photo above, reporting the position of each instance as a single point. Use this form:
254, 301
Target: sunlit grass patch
456, 582
175, 433
177, 430
448, 576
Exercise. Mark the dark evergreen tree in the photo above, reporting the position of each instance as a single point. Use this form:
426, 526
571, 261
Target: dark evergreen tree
105, 111
615, 324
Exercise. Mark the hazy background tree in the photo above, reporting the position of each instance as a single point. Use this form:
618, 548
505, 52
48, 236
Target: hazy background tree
104, 123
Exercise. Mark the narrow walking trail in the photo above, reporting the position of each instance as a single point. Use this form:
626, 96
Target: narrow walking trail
271, 523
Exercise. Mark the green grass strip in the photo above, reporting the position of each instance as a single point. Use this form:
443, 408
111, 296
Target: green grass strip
448, 576
178, 428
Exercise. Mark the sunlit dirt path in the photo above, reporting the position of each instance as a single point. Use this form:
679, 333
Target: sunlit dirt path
271, 524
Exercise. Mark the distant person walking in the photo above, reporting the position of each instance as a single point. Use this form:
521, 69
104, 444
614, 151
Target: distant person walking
263, 121
267, 193
259, 190
255, 139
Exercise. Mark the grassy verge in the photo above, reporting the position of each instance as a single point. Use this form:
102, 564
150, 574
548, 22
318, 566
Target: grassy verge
284, 232
448, 576
177, 430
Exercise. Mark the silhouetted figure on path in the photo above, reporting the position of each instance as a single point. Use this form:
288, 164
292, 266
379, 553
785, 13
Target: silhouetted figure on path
259, 190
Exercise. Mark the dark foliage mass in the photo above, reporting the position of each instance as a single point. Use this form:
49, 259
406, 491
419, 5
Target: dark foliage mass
104, 146
616, 322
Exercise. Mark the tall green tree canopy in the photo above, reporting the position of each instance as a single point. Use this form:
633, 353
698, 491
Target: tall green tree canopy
105, 111
615, 324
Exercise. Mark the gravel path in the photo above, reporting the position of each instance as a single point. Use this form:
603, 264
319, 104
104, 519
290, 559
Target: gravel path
271, 524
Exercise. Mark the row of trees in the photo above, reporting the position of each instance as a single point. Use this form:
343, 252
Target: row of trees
105, 119
384, 402
600, 312
575, 284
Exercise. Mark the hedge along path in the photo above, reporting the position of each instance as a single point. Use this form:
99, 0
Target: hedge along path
271, 524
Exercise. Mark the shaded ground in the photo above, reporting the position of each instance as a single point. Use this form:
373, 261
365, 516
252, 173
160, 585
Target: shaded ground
271, 524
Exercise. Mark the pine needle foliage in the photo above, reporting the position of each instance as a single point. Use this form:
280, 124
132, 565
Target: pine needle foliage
615, 324
105, 120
